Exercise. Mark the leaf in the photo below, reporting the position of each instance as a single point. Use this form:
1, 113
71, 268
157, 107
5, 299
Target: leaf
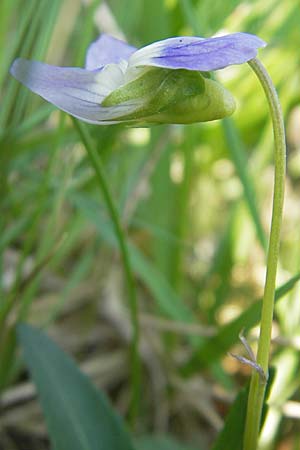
167, 300
160, 443
238, 155
143, 15
78, 416
227, 335
235, 145
232, 435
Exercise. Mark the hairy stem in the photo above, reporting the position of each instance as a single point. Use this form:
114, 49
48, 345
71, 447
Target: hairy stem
257, 385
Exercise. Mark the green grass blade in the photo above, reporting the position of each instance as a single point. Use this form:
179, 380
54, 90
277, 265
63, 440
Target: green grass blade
235, 146
123, 246
161, 443
238, 156
227, 335
167, 301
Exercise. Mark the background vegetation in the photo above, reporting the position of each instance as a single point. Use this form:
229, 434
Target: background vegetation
194, 201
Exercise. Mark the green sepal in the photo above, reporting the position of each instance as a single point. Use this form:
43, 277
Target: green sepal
158, 89
172, 96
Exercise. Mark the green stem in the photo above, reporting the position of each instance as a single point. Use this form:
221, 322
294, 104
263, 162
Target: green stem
120, 234
257, 386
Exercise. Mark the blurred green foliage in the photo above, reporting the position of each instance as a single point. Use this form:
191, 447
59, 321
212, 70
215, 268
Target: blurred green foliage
194, 200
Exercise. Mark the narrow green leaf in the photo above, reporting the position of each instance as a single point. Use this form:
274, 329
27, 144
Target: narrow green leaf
7, 354
232, 434
238, 155
235, 146
168, 302
78, 416
161, 443
213, 348
9, 47
121, 238
28, 124
11, 233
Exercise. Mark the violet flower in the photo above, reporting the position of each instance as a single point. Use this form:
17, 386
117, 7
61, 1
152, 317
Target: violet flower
164, 82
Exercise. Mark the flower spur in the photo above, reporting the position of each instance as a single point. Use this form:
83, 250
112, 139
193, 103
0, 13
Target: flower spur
164, 82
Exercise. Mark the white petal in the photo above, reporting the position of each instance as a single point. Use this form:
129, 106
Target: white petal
79, 92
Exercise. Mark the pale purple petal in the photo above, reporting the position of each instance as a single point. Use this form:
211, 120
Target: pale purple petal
107, 50
77, 91
194, 53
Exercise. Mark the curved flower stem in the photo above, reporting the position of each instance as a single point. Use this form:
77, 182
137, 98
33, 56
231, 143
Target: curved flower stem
120, 234
257, 385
